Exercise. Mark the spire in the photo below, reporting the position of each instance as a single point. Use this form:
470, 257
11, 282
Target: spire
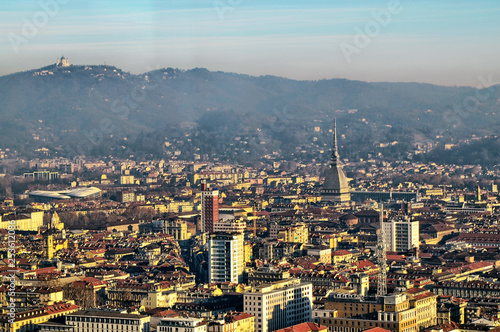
335, 151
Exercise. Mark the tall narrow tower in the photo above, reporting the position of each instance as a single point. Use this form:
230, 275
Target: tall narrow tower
209, 208
335, 187
381, 258
49, 246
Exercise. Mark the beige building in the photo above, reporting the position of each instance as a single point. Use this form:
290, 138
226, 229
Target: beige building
230, 226
356, 314
322, 253
177, 228
182, 324
401, 234
126, 179
279, 304
410, 311
266, 275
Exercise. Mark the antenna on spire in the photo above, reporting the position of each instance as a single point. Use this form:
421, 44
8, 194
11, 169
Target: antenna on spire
335, 153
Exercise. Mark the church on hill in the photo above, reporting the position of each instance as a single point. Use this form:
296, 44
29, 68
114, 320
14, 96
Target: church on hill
335, 188
62, 62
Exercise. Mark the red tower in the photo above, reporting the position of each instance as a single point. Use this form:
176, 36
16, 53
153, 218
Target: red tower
209, 208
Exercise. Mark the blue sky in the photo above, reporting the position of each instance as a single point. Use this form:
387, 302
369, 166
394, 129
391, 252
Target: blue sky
442, 42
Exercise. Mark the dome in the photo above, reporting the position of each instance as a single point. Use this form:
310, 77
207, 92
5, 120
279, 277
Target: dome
335, 179
336, 186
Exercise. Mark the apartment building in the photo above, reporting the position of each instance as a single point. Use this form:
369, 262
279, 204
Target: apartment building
99, 320
226, 257
279, 304
401, 234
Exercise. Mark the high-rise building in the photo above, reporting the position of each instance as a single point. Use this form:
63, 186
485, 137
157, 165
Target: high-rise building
279, 304
335, 187
226, 261
209, 208
401, 234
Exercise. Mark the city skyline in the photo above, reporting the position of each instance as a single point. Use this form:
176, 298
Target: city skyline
450, 43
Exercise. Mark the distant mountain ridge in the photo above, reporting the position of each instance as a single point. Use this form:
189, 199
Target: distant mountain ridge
102, 110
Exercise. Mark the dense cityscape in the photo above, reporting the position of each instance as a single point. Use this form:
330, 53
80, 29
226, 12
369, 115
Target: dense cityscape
171, 245
249, 166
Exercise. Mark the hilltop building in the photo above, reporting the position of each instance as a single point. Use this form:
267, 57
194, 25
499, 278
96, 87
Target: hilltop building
62, 62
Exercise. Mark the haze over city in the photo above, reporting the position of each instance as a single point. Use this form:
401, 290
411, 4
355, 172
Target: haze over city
249, 166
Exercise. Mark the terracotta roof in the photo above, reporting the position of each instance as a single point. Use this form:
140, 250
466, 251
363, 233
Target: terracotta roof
304, 327
341, 253
377, 329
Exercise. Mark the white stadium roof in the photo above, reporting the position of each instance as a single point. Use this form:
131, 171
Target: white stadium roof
66, 194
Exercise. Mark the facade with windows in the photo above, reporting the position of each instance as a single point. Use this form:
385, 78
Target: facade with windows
279, 304
209, 208
94, 320
401, 234
184, 324
226, 257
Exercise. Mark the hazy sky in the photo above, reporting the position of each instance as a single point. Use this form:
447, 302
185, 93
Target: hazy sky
449, 42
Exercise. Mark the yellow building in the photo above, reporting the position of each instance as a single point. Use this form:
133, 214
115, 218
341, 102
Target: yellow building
234, 322
27, 320
25, 295
341, 256
356, 314
410, 311
248, 252
60, 245
29, 221
55, 222
49, 246
159, 298
298, 233
177, 228
425, 303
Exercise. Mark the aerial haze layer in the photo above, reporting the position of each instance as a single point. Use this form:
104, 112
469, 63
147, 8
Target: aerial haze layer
445, 43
